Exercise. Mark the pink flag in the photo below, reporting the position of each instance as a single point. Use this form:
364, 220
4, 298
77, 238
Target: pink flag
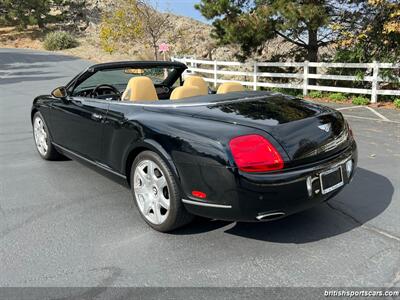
163, 47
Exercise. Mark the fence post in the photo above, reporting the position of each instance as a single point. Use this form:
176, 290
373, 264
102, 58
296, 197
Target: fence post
305, 77
184, 62
374, 88
255, 76
215, 74
192, 64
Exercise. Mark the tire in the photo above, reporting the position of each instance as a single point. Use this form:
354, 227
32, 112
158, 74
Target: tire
156, 193
42, 139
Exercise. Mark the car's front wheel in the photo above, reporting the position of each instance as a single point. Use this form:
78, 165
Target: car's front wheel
42, 138
156, 193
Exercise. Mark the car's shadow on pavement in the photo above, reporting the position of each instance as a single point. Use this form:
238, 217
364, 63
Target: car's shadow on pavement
365, 198
26, 60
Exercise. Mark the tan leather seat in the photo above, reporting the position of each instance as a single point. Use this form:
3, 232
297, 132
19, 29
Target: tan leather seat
197, 81
140, 88
229, 87
185, 92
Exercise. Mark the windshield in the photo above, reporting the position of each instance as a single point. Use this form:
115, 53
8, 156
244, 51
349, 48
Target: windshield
120, 77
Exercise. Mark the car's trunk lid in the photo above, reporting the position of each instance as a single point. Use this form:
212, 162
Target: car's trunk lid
306, 131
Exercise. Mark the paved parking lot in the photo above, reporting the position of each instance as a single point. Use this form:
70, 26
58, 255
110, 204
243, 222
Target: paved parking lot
63, 224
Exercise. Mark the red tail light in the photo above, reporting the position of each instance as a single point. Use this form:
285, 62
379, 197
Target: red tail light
254, 153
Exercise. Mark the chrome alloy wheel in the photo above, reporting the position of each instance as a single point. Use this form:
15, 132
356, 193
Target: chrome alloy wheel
40, 134
151, 191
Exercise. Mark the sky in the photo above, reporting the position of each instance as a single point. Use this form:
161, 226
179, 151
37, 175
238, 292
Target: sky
181, 7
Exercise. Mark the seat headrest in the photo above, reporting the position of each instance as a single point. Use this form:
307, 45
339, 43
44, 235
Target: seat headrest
197, 81
185, 92
229, 87
140, 88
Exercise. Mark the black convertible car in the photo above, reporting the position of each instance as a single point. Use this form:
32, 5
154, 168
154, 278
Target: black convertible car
185, 150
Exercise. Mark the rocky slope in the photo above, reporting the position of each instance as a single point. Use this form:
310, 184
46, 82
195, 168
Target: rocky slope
188, 37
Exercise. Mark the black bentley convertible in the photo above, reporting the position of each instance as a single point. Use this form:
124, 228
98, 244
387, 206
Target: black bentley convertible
186, 150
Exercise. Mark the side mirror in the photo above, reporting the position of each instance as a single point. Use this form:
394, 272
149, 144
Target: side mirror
60, 92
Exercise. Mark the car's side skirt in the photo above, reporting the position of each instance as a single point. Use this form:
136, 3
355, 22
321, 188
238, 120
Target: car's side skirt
68, 152
74, 155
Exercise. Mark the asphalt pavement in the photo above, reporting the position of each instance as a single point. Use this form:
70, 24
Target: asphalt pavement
63, 224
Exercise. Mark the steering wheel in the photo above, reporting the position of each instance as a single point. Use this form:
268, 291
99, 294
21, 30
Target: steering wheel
100, 86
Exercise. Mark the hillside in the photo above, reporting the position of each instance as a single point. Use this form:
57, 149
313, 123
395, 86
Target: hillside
189, 38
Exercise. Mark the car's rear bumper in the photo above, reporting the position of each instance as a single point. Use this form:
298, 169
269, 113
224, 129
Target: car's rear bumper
262, 197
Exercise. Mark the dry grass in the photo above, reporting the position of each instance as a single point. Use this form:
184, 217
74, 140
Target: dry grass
380, 103
30, 38
89, 44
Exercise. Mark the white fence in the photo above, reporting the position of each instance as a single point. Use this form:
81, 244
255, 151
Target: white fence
300, 79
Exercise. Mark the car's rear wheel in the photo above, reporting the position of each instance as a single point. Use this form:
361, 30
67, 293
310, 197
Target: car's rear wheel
156, 193
42, 138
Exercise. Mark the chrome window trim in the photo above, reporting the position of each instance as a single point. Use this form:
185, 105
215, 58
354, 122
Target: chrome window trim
178, 105
192, 104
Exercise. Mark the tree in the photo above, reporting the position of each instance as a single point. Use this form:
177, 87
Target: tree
375, 36
120, 24
303, 23
22, 13
3, 13
154, 25
25, 12
71, 12
133, 20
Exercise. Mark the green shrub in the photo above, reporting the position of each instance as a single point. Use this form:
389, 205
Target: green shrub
397, 103
290, 92
59, 40
315, 94
337, 97
360, 100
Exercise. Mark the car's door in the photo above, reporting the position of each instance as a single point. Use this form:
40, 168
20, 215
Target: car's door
122, 132
78, 120
78, 124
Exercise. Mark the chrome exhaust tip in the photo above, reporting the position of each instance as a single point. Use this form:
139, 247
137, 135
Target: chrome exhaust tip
270, 216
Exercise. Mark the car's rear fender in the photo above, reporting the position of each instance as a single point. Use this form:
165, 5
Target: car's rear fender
147, 145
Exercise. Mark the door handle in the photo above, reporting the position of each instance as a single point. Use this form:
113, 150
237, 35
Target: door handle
97, 117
